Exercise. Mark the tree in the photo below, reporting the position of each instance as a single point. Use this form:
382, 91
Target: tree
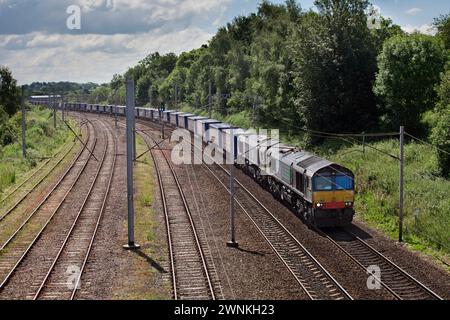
142, 87
334, 67
9, 93
409, 69
101, 94
441, 138
442, 24
387, 30
440, 134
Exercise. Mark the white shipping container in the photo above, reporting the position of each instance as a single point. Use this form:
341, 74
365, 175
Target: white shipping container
203, 126
182, 120
226, 139
192, 124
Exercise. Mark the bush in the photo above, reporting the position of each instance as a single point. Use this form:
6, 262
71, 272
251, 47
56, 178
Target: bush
441, 138
409, 69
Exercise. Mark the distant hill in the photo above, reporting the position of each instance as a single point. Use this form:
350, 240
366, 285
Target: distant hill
44, 88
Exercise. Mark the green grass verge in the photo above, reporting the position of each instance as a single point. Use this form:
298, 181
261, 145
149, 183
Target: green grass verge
146, 285
42, 140
377, 184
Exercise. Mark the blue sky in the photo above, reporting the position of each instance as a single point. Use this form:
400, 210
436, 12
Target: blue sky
115, 34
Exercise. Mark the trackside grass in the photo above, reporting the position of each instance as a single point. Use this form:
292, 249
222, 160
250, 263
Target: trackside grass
42, 141
377, 186
146, 279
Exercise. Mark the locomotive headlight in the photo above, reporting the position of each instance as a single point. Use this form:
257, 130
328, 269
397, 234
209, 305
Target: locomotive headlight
319, 205
348, 204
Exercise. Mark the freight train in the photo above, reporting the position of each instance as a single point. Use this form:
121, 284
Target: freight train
319, 191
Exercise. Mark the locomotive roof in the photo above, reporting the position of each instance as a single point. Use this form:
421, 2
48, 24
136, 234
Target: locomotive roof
307, 161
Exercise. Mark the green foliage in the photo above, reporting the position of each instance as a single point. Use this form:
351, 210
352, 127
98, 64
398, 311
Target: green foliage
409, 69
62, 87
101, 95
377, 185
42, 141
442, 25
9, 94
334, 59
440, 134
150, 72
388, 30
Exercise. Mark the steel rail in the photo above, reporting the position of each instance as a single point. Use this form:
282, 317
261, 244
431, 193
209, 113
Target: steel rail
19, 261
189, 214
75, 290
284, 229
70, 232
379, 255
47, 160
33, 188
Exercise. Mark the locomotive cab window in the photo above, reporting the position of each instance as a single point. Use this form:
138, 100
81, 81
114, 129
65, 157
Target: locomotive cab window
300, 182
323, 183
330, 183
344, 182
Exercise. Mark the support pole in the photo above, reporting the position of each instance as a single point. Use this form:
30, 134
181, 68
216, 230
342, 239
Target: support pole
134, 136
210, 98
52, 99
24, 126
62, 107
254, 112
130, 193
402, 166
161, 116
232, 243
364, 144
151, 96
175, 87
115, 110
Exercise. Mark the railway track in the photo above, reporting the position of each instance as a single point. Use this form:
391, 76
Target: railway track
312, 277
191, 275
34, 180
393, 278
35, 176
21, 240
307, 271
75, 249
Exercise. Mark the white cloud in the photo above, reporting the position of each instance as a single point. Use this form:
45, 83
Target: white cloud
425, 29
105, 16
413, 11
83, 58
115, 35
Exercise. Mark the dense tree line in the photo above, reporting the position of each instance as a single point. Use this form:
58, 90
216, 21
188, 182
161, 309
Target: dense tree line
304, 71
307, 71
285, 66
62, 87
